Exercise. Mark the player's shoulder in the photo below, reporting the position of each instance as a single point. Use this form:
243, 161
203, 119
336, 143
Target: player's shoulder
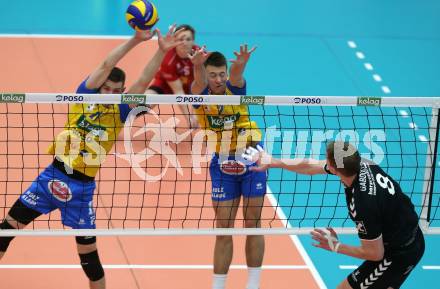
82, 88
235, 90
366, 185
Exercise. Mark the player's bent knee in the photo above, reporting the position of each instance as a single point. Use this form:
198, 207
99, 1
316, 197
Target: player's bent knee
252, 223
92, 266
5, 241
85, 240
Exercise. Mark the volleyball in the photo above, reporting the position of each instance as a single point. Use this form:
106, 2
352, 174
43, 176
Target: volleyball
141, 15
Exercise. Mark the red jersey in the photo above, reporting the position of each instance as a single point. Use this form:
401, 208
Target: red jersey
172, 68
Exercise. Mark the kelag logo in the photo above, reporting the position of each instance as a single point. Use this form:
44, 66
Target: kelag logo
133, 98
12, 98
245, 99
369, 101
307, 100
189, 99
69, 98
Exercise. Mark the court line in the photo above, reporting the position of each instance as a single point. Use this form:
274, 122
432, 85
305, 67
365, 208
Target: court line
66, 36
352, 267
368, 66
431, 267
296, 240
152, 267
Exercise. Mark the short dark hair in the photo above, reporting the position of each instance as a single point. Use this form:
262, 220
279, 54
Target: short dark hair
186, 27
117, 75
337, 152
216, 59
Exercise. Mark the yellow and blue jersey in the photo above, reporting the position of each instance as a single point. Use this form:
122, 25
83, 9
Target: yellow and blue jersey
89, 134
228, 122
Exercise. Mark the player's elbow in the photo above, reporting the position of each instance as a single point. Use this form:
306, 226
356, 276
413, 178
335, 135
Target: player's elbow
107, 64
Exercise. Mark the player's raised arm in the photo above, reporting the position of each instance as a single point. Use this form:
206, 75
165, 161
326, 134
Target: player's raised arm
101, 73
300, 166
239, 64
198, 58
165, 44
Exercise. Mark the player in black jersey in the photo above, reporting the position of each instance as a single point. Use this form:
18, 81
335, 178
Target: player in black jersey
391, 241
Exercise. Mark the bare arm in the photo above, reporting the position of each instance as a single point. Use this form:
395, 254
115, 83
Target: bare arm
238, 66
176, 86
301, 166
200, 82
165, 44
141, 84
372, 250
101, 73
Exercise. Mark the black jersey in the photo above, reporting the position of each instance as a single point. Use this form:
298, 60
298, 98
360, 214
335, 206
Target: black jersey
378, 206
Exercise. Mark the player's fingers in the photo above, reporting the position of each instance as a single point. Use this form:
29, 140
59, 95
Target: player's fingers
246, 48
236, 54
241, 49
252, 150
178, 31
159, 34
171, 28
246, 156
320, 231
253, 49
333, 232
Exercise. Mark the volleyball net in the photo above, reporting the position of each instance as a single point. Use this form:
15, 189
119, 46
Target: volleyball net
155, 179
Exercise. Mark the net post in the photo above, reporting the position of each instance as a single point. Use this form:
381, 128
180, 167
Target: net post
431, 160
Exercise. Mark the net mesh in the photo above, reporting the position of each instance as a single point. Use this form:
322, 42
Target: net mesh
157, 174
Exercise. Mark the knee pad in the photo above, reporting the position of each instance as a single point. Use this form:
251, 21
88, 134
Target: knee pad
23, 214
85, 240
5, 241
92, 265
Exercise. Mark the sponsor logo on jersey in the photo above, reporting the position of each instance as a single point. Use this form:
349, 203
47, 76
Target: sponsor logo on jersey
259, 186
360, 227
247, 99
87, 126
30, 198
369, 101
366, 179
354, 275
218, 122
60, 190
12, 97
218, 193
233, 167
133, 98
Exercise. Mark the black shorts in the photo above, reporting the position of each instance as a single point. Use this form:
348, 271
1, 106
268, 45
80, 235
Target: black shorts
392, 271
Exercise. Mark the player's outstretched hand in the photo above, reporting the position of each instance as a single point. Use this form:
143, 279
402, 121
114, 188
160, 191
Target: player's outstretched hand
258, 156
199, 56
243, 56
143, 35
327, 240
169, 41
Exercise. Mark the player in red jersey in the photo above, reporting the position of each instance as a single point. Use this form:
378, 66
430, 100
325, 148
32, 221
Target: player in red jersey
176, 71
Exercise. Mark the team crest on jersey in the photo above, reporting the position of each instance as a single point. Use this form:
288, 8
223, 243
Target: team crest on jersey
60, 190
360, 227
233, 167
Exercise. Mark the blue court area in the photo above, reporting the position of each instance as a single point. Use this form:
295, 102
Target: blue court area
320, 47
